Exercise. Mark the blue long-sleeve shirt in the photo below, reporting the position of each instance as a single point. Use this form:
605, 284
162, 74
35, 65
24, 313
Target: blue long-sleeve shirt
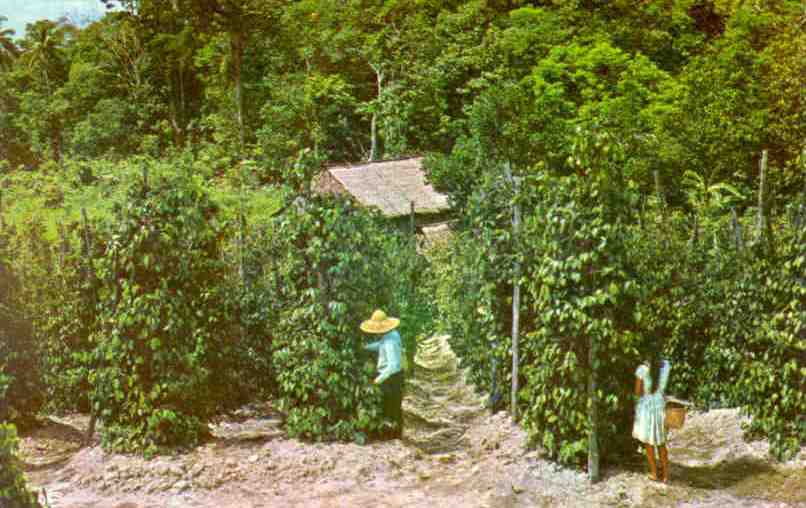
389, 350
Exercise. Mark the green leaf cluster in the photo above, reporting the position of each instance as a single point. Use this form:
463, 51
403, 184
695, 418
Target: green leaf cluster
164, 329
327, 266
13, 490
21, 383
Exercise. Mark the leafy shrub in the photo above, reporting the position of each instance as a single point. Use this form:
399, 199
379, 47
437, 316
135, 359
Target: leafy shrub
13, 490
729, 318
164, 338
66, 328
581, 296
772, 379
473, 309
411, 285
327, 272
21, 388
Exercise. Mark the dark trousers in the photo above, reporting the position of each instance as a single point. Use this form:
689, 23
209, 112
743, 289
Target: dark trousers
392, 390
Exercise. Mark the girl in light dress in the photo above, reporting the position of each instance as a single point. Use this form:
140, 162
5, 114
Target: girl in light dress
649, 426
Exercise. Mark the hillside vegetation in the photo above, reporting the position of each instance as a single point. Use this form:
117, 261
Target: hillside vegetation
163, 257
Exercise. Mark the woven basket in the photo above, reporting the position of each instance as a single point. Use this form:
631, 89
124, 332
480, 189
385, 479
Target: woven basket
675, 415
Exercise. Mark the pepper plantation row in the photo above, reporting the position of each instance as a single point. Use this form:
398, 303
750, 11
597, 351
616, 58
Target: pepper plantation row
165, 312
710, 282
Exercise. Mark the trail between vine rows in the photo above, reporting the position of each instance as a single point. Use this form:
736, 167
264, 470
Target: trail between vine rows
453, 454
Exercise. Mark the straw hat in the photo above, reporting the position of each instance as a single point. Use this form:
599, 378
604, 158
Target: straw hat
379, 323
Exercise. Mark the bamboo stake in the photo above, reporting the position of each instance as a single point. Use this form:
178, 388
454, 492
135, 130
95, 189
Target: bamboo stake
516, 294
593, 414
242, 246
86, 251
63, 248
241, 236
737, 229
145, 180
658, 189
762, 190
412, 223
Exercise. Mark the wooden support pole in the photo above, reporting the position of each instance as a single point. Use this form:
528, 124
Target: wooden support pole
762, 190
737, 229
241, 245
86, 239
516, 294
145, 180
86, 252
62, 247
593, 414
412, 222
658, 188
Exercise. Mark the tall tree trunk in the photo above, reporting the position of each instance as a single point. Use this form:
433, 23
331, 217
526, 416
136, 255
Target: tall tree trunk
182, 116
237, 46
175, 104
56, 142
373, 154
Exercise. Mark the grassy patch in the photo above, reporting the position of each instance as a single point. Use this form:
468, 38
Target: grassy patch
57, 196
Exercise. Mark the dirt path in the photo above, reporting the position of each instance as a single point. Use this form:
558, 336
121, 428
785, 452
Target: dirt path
453, 454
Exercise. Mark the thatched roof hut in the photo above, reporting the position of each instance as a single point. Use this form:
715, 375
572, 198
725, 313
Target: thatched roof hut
389, 186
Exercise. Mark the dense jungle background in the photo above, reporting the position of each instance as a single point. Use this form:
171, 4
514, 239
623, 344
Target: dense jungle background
164, 258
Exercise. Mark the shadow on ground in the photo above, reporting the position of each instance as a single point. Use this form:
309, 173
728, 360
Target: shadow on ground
50, 444
745, 477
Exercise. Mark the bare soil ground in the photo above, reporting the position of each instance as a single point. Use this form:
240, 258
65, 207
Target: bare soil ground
453, 454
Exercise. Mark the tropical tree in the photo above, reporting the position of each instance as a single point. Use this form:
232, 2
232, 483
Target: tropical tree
45, 58
8, 50
44, 51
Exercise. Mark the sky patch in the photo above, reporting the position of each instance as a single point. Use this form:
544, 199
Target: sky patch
22, 12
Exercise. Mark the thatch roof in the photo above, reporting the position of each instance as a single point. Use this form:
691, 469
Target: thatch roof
391, 186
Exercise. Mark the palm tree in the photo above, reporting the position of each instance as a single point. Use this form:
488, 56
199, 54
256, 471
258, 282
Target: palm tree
43, 50
8, 50
44, 55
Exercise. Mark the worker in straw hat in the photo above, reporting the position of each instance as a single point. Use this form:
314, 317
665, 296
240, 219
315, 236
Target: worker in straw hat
390, 374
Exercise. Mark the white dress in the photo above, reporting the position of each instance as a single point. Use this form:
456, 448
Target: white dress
649, 426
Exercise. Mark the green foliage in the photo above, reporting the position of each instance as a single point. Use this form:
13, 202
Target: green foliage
164, 334
612, 93
21, 387
57, 196
472, 291
598, 273
728, 318
580, 296
66, 335
772, 381
307, 111
13, 491
327, 272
